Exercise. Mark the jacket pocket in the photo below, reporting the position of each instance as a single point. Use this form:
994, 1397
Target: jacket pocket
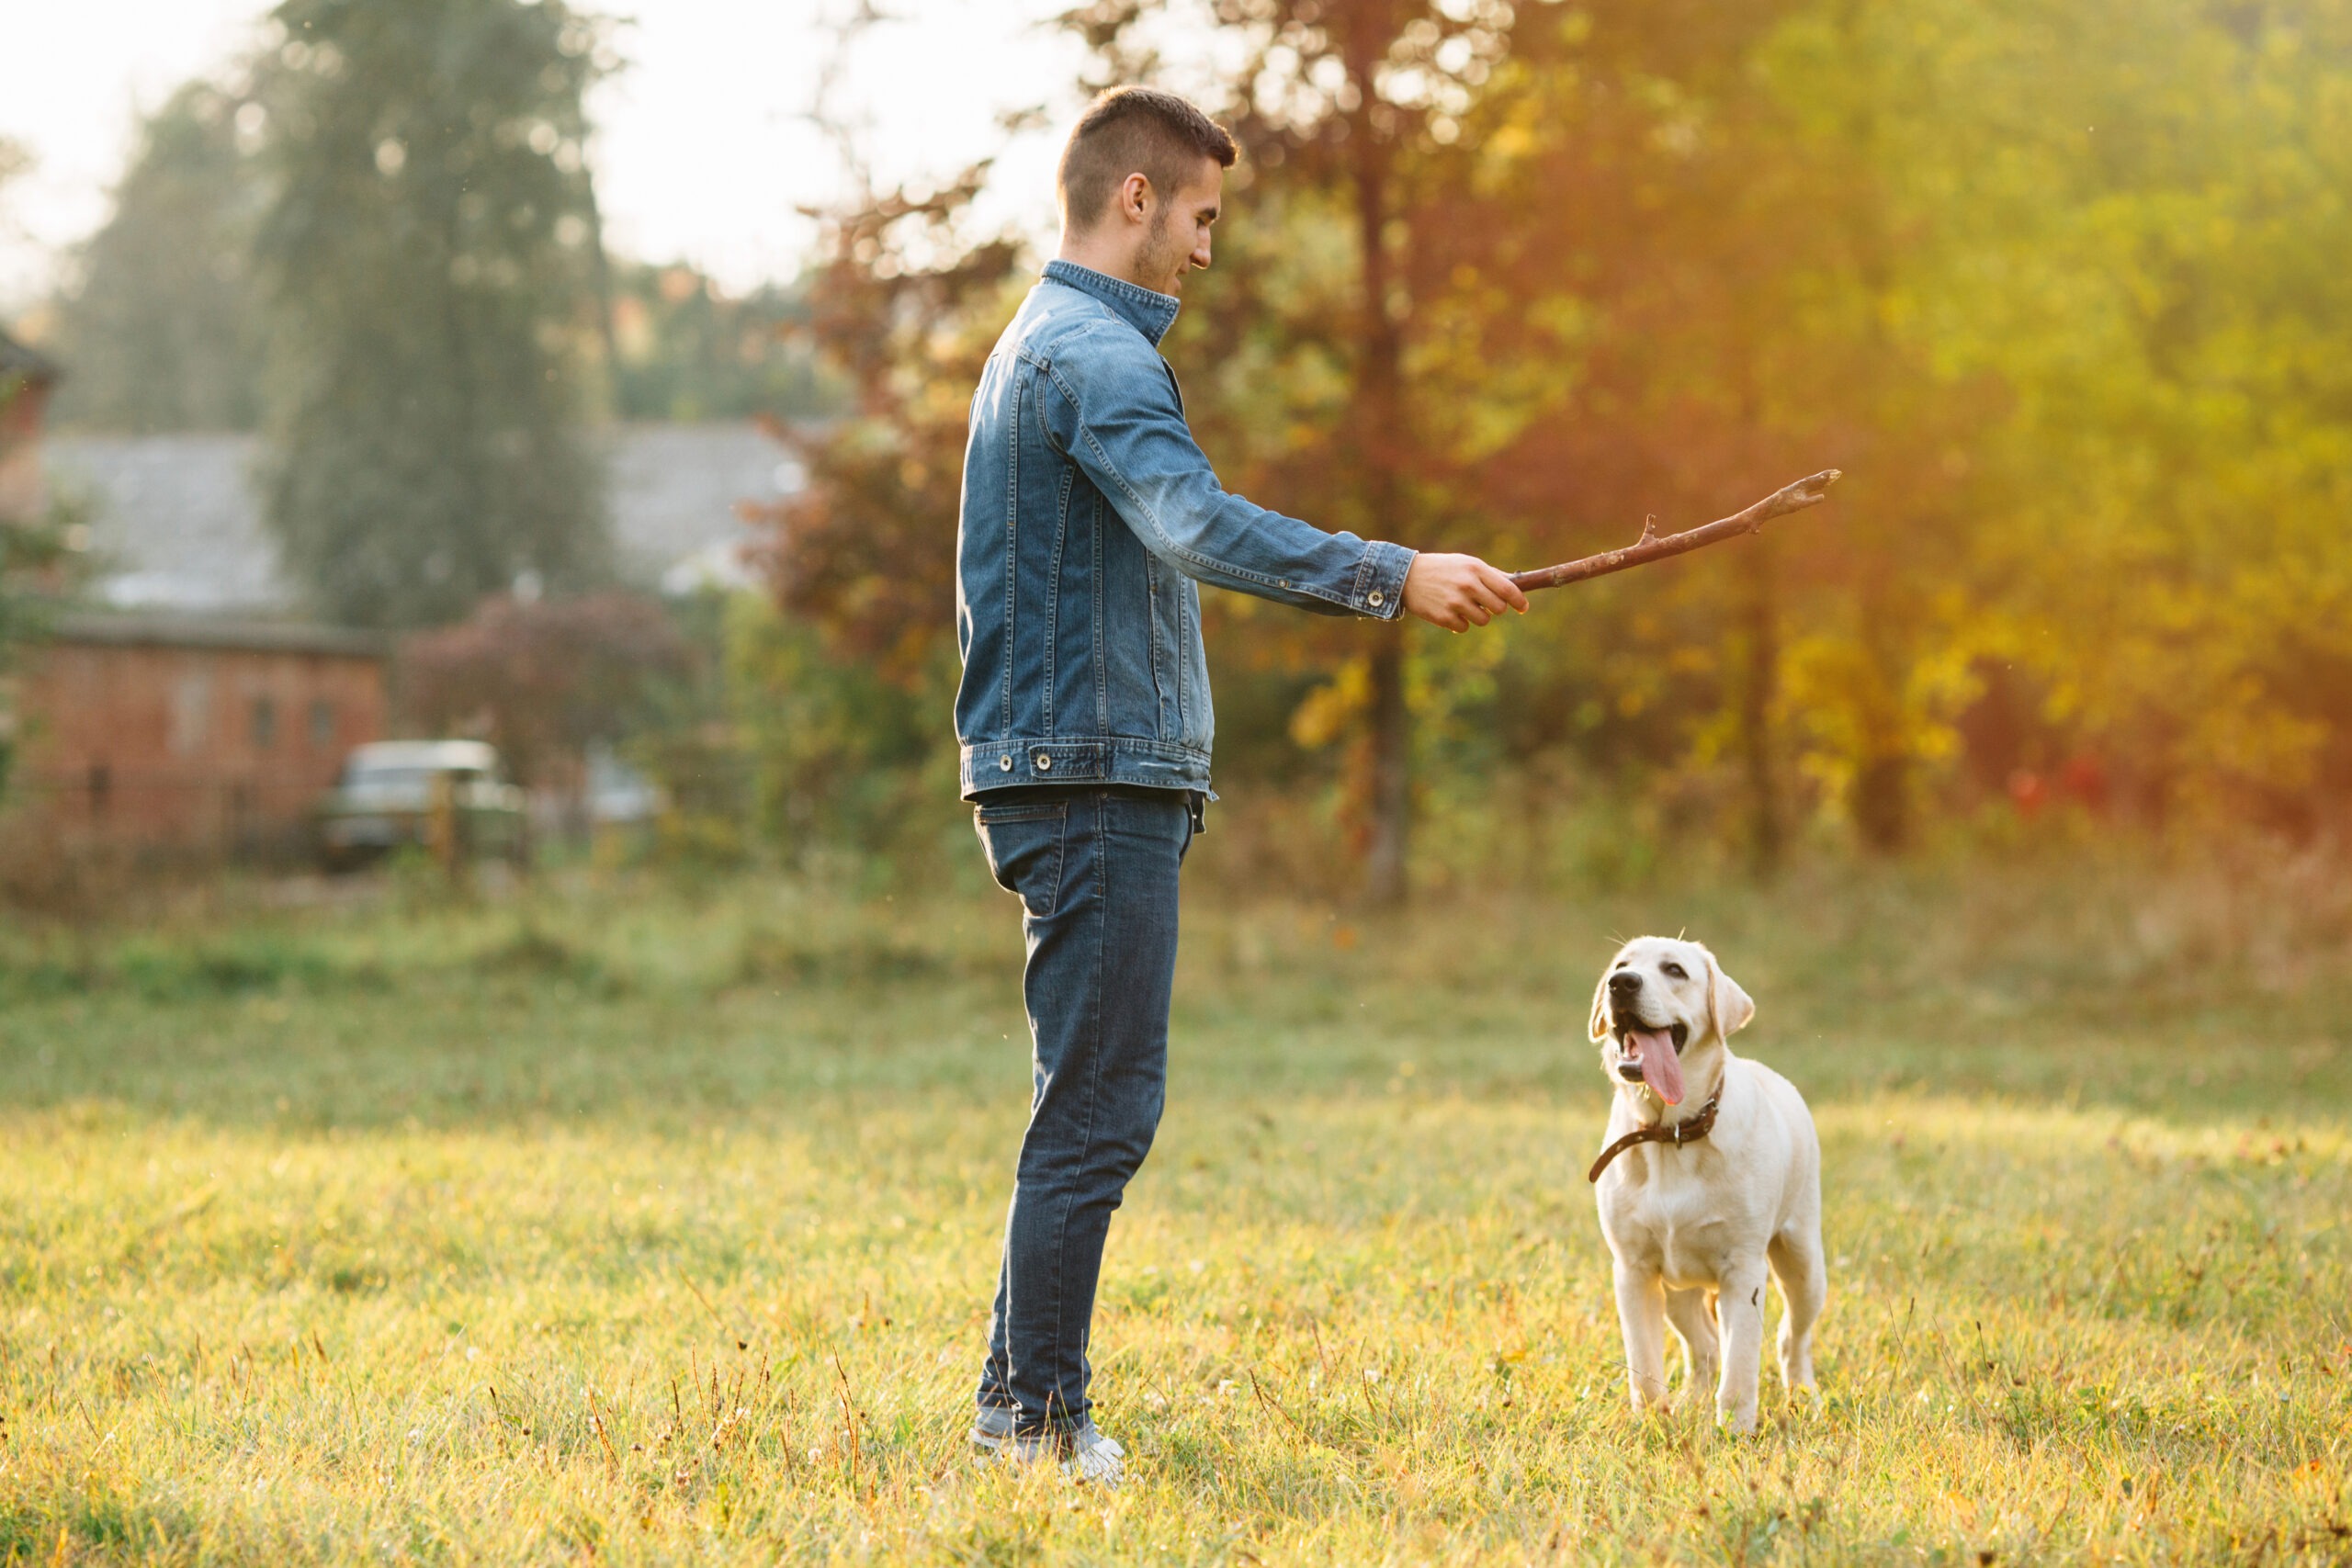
1024, 843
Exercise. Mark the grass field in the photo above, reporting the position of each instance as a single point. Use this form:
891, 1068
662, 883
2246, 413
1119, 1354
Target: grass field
619, 1223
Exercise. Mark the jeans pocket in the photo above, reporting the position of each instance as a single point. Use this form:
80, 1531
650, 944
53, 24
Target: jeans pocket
1024, 844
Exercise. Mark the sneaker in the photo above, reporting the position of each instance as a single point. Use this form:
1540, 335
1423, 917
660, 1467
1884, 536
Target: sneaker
1085, 1454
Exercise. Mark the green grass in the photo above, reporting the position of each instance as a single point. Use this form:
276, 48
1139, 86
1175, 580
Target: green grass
615, 1224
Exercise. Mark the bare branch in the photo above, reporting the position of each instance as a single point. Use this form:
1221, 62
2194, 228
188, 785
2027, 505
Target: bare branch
1809, 491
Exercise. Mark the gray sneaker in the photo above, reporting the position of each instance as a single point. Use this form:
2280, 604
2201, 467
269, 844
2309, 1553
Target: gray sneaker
1085, 1454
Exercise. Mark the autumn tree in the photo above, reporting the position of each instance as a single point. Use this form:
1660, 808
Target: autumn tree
1307, 337
903, 304
545, 679
1420, 278
1722, 263
430, 269
2052, 283
2128, 222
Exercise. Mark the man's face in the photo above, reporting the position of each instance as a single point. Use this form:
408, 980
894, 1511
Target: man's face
1179, 240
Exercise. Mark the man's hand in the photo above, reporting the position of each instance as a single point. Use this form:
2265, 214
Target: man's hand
1459, 591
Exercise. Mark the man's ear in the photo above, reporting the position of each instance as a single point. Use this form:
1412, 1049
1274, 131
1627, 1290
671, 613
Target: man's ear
1732, 1007
1600, 1009
1135, 196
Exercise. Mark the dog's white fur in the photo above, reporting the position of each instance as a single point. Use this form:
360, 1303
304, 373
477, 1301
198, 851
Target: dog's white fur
1693, 1227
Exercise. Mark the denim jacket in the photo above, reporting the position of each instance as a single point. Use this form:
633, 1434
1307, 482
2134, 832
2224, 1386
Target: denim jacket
1089, 514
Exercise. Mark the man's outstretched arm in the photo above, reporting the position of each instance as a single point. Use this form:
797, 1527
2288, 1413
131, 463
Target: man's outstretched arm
1120, 420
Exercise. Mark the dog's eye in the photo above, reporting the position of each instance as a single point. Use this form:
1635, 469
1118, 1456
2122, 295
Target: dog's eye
1676, 970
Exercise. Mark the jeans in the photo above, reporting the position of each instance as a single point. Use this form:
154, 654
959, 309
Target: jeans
1095, 871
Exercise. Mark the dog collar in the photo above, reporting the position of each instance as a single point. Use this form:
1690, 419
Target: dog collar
1688, 1131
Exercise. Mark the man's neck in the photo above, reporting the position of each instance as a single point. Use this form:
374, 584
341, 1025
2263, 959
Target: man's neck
1100, 258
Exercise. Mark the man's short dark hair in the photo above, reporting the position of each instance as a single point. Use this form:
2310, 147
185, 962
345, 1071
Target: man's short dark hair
1135, 131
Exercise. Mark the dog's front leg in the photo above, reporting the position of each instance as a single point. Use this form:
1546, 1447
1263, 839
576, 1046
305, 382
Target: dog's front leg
1641, 1313
1694, 1320
1741, 1307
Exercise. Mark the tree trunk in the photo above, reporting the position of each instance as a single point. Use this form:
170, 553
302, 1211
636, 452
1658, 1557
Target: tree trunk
1388, 787
1760, 681
1379, 436
1882, 802
1883, 784
600, 265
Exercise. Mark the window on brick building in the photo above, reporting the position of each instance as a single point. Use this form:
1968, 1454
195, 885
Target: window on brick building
321, 723
191, 712
265, 723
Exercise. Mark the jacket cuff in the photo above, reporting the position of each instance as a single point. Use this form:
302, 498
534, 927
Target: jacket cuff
1380, 580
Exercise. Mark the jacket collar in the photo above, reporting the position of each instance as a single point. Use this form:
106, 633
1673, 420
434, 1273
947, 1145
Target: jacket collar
1149, 313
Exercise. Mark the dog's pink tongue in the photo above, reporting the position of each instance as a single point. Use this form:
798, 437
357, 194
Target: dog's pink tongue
1661, 1069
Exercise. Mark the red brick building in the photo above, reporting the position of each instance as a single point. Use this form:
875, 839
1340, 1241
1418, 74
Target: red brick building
26, 378
190, 733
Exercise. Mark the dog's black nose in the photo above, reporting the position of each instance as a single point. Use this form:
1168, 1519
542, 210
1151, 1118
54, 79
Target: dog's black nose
1624, 982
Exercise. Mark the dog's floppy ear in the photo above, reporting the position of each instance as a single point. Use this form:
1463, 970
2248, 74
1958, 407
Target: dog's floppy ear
1733, 1007
1600, 1009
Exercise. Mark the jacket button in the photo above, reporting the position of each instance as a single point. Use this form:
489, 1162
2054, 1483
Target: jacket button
1282, 583
1044, 764
1004, 763
1373, 599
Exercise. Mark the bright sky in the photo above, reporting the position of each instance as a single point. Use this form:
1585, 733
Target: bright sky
702, 151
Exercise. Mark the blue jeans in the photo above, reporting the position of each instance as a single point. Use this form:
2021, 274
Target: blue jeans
1095, 871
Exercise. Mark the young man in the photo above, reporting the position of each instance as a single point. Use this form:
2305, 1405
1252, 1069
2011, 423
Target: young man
1089, 514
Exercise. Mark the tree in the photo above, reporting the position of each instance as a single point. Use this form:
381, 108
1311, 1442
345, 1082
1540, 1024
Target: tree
1394, 343
868, 548
546, 678
2130, 221
1596, 268
2053, 282
685, 350
162, 327
430, 270
1343, 109
903, 306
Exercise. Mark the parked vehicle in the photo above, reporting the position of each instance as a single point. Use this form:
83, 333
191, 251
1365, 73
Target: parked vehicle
393, 793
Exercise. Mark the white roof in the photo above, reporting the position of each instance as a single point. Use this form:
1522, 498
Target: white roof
178, 517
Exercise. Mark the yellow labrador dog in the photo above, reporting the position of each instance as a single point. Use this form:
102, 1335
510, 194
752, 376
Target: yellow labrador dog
1712, 1172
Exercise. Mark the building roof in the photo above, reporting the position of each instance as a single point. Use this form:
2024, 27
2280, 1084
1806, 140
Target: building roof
178, 522
673, 491
121, 630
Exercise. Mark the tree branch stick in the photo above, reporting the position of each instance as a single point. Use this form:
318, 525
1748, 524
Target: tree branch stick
1651, 546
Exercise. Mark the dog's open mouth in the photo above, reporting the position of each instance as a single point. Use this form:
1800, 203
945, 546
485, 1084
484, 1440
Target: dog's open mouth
1653, 1057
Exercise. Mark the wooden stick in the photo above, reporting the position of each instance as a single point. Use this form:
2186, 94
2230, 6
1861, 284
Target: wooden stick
1651, 546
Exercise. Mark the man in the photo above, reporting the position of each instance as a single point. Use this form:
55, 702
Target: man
1089, 514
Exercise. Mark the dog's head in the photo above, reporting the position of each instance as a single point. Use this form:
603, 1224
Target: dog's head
1662, 1002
